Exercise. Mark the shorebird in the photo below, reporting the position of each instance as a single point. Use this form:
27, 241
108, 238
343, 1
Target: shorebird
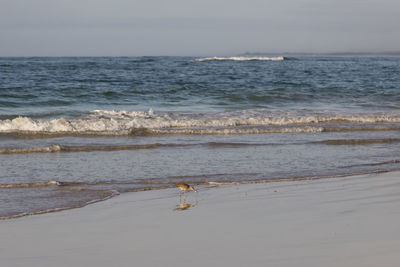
185, 187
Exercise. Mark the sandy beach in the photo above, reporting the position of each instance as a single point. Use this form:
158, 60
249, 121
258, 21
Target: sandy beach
350, 221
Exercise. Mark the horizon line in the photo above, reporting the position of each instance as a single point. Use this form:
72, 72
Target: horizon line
339, 53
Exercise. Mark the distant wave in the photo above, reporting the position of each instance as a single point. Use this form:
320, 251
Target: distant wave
55, 148
240, 58
39, 149
88, 148
29, 185
124, 123
354, 142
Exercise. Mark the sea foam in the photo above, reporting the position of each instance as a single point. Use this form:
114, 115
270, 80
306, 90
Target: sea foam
240, 58
109, 122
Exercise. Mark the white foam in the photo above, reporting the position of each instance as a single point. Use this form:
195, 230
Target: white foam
230, 131
240, 58
123, 122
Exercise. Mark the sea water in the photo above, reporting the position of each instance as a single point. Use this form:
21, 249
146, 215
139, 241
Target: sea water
78, 130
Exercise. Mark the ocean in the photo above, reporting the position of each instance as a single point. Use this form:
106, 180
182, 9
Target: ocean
74, 131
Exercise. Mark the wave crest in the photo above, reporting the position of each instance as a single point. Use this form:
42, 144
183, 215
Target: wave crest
109, 122
280, 58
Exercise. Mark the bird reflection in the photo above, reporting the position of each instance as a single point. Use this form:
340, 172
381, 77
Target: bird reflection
185, 206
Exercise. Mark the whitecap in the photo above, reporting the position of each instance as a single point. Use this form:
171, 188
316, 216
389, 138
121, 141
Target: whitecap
110, 122
280, 58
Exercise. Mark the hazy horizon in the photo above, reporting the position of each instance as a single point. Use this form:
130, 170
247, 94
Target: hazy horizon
192, 28
247, 53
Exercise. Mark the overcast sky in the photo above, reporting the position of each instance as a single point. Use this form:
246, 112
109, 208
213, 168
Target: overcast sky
201, 27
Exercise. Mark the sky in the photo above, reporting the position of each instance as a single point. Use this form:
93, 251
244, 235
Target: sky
196, 28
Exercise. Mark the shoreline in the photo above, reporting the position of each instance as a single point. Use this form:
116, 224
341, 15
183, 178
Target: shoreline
114, 193
347, 221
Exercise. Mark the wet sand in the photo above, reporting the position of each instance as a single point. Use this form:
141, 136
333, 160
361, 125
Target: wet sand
350, 221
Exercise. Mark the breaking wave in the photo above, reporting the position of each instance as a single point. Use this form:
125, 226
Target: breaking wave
123, 123
240, 59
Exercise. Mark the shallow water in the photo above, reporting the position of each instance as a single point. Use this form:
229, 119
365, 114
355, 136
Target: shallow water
78, 130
